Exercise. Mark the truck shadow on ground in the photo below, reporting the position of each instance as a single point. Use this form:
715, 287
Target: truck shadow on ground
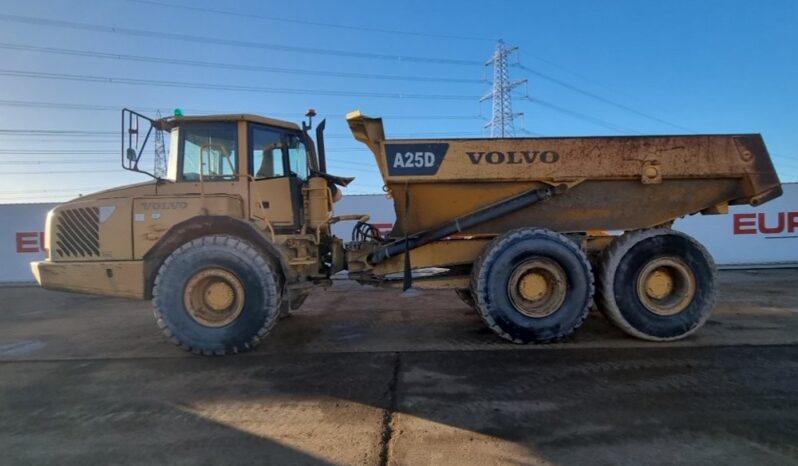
74, 413
694, 405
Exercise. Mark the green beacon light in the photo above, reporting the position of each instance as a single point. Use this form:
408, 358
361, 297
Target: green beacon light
178, 112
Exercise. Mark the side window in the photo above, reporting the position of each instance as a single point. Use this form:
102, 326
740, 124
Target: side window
297, 157
266, 147
210, 150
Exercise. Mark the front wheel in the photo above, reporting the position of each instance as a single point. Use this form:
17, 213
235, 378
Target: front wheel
216, 294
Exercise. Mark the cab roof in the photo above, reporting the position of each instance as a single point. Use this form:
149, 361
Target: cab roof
170, 122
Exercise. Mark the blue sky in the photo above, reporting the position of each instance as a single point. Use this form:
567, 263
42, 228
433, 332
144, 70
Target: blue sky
710, 66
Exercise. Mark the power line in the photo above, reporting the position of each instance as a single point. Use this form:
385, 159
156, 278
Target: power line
530, 133
426, 134
55, 132
57, 172
52, 151
56, 162
310, 23
602, 99
39, 191
229, 42
36, 198
118, 108
784, 156
572, 72
581, 116
230, 66
228, 87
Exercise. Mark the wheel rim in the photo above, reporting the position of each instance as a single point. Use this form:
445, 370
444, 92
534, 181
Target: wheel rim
214, 297
537, 287
666, 285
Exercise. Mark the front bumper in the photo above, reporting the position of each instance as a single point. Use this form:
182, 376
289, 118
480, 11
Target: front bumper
123, 279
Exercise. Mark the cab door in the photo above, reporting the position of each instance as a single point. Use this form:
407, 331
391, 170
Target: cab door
278, 165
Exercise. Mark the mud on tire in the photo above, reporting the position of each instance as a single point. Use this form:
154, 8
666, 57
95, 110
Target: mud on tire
492, 283
255, 314
634, 307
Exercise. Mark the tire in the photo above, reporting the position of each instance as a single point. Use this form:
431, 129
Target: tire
496, 286
250, 289
681, 306
466, 297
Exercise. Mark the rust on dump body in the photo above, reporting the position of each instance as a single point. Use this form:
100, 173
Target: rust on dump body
615, 182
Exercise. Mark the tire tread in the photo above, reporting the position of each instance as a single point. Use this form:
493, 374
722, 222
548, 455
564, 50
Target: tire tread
494, 248
611, 258
234, 243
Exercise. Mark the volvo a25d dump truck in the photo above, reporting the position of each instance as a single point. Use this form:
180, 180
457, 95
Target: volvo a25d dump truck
527, 231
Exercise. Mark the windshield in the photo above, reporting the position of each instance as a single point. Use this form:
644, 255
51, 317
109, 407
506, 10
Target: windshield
209, 151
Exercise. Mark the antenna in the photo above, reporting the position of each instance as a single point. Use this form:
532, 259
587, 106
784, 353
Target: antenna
501, 121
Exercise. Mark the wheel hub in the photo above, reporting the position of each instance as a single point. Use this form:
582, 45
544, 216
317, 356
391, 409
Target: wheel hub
666, 285
214, 297
219, 296
659, 283
537, 287
533, 286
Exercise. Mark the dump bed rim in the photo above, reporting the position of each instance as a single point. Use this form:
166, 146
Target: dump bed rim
634, 136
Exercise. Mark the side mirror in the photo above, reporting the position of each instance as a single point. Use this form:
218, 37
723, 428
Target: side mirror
133, 124
310, 114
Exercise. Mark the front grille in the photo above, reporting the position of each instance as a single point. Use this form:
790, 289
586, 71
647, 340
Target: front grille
77, 232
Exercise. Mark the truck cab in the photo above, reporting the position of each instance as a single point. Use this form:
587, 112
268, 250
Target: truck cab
238, 175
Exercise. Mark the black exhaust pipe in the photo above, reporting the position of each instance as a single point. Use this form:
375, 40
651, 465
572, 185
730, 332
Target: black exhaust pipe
320, 145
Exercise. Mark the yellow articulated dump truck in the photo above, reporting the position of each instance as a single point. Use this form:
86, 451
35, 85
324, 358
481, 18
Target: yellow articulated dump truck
527, 231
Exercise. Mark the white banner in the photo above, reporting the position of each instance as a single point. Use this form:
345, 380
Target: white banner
763, 236
21, 239
747, 237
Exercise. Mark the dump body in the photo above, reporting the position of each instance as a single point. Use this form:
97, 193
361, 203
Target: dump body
613, 183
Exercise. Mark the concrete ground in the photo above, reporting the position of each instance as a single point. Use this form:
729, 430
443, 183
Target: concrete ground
362, 376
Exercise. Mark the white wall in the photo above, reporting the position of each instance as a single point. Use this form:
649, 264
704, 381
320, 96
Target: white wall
377, 206
21, 239
763, 236
766, 235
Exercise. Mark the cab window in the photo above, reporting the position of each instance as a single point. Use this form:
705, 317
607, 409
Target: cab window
276, 153
297, 157
209, 150
267, 153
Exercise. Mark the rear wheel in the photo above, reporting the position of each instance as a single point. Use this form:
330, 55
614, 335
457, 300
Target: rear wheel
216, 294
657, 284
532, 285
